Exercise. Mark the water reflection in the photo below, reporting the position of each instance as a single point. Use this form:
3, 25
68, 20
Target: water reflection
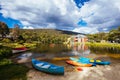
80, 50
80, 47
25, 55
56, 52
51, 48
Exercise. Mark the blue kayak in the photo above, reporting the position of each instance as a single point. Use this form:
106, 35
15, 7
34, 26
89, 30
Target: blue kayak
89, 60
47, 67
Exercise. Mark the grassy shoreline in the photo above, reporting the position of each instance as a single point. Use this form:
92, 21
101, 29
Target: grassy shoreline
113, 48
13, 72
8, 69
103, 45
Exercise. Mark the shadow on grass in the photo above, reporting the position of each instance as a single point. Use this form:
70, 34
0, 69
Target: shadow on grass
13, 72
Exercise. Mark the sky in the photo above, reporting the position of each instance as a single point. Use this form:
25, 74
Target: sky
83, 16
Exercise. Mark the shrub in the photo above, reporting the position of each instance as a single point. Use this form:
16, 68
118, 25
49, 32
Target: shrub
6, 40
5, 62
5, 52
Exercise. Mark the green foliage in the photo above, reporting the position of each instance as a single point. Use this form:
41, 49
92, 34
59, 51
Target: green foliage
6, 40
8, 70
4, 30
13, 72
5, 62
111, 47
18, 45
45, 36
97, 37
30, 45
102, 45
15, 32
112, 36
5, 52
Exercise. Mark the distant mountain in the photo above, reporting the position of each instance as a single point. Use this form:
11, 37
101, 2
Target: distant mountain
55, 30
70, 32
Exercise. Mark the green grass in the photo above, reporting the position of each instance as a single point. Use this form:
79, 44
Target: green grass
104, 47
9, 70
16, 45
13, 72
5, 52
5, 62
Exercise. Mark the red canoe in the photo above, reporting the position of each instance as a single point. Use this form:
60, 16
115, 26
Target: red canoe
20, 48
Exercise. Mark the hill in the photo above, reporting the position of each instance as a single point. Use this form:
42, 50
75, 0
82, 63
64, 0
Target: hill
70, 32
53, 30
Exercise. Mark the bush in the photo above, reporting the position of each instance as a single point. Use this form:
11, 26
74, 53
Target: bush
5, 52
13, 72
6, 40
5, 62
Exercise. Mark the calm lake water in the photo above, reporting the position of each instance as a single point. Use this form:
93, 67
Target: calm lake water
58, 54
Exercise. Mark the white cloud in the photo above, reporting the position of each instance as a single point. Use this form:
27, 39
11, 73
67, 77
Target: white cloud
28, 27
42, 13
86, 30
100, 15
51, 25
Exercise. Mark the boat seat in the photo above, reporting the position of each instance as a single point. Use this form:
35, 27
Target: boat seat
45, 66
39, 64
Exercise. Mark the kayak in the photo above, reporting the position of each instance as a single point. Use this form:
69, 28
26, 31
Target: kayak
74, 63
95, 61
47, 67
85, 61
99, 62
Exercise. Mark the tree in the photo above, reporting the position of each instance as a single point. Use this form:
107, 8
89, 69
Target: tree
15, 32
114, 35
4, 30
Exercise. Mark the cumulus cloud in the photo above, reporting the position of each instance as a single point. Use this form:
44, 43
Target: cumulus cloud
42, 13
86, 30
100, 15
28, 27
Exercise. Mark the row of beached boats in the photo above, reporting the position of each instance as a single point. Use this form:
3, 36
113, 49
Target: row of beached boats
55, 69
86, 62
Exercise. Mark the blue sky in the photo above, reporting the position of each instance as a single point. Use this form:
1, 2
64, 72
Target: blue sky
84, 16
9, 21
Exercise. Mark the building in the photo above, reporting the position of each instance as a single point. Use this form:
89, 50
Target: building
78, 38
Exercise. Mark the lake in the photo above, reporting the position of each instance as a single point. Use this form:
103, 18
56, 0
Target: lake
58, 54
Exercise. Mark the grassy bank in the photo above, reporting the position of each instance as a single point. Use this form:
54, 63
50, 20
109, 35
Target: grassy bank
13, 72
5, 52
110, 47
8, 69
16, 45
104, 45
